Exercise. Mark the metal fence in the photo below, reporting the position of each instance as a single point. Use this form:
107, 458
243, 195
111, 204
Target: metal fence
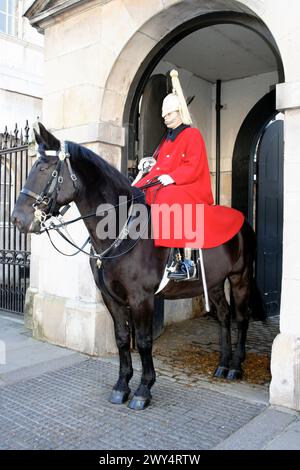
14, 246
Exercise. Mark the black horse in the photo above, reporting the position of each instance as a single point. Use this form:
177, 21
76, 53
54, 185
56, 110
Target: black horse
132, 272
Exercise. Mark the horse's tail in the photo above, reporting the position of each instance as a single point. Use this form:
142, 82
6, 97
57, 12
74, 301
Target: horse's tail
257, 308
256, 304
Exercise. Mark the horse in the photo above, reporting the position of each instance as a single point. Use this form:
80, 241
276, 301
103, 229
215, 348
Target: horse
129, 278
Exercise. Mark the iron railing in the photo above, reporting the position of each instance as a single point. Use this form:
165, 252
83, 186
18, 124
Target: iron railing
14, 246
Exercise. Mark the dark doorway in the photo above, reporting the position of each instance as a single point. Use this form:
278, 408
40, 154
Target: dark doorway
151, 124
269, 216
245, 145
257, 191
149, 127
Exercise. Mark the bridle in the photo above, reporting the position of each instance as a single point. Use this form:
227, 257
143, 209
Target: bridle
47, 200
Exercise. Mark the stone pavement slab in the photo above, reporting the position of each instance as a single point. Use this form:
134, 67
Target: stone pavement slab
289, 439
258, 432
27, 357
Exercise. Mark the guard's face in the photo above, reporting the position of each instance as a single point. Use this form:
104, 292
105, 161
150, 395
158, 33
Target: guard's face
172, 119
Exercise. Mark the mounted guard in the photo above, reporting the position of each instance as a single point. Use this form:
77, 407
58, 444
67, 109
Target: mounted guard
180, 165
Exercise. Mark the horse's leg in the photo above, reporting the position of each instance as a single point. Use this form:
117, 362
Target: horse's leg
240, 285
218, 299
142, 315
120, 315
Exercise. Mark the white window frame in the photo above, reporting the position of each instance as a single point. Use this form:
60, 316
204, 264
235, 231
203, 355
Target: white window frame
8, 16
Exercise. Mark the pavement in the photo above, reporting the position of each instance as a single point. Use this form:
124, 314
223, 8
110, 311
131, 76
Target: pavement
54, 398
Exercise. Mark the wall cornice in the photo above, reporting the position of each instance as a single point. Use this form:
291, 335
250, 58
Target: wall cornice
44, 12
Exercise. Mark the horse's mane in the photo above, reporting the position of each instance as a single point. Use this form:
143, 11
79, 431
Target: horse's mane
102, 171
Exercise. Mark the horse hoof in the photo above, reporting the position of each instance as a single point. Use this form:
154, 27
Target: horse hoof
138, 403
221, 372
118, 397
235, 374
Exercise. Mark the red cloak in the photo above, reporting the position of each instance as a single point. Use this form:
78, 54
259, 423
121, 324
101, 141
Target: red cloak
193, 221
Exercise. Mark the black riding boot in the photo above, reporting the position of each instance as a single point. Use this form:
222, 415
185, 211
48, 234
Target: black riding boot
184, 268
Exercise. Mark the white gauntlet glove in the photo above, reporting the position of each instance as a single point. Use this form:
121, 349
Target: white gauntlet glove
146, 164
165, 180
144, 167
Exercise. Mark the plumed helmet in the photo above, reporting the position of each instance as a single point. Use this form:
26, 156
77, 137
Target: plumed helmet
175, 101
170, 103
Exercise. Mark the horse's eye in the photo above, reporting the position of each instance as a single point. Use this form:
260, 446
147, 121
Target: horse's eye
43, 168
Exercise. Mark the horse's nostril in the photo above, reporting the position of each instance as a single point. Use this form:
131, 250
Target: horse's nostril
15, 221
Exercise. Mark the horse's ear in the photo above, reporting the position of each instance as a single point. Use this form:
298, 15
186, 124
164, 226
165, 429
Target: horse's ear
38, 138
52, 142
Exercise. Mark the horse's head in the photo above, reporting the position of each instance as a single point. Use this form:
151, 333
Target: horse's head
50, 185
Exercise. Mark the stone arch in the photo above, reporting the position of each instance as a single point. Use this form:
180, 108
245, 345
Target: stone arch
150, 43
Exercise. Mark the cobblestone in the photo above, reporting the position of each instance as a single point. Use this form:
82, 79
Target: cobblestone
203, 332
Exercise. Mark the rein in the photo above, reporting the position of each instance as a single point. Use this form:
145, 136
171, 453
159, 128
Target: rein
48, 198
93, 214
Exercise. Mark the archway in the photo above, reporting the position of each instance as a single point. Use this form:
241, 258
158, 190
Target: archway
156, 54
164, 45
256, 120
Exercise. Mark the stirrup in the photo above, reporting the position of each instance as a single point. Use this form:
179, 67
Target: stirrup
186, 270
